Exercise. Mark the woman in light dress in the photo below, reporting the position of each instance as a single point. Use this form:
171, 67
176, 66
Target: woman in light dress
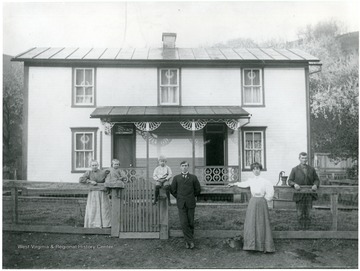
98, 208
257, 228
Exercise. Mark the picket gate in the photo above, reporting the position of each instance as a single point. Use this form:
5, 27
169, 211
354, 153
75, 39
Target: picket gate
133, 214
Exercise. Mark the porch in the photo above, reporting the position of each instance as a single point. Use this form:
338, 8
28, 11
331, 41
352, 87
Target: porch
208, 137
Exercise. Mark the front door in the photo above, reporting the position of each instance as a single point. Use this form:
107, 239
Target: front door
215, 135
124, 145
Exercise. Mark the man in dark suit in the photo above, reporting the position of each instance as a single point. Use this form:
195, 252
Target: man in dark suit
304, 174
185, 187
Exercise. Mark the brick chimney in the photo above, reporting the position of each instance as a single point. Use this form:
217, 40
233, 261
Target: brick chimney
169, 40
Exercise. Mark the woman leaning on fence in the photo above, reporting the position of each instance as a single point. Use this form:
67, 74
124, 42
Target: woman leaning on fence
257, 229
97, 213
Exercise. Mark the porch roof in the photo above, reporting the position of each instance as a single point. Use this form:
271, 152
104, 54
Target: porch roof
167, 113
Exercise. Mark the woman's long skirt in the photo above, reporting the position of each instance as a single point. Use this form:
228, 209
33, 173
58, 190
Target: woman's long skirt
98, 210
257, 229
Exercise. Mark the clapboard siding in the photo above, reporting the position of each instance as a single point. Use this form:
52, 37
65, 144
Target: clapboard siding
127, 86
284, 115
211, 86
51, 116
232, 146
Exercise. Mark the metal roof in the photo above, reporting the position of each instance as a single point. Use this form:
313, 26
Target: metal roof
168, 113
212, 54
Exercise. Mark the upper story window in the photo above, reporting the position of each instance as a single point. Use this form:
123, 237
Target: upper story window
252, 89
169, 92
253, 146
84, 87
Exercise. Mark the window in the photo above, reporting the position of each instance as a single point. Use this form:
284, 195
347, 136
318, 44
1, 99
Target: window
83, 148
252, 87
169, 87
253, 147
84, 87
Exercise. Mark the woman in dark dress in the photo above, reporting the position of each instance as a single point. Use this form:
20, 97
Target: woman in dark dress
257, 229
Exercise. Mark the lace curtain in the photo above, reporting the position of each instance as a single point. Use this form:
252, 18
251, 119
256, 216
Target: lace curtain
253, 148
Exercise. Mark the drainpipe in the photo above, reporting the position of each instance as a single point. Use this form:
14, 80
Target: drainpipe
239, 142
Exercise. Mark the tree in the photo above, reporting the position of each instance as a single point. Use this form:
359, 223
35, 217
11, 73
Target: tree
334, 108
334, 92
12, 114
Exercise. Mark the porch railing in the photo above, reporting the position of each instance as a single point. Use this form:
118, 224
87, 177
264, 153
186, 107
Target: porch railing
217, 175
134, 173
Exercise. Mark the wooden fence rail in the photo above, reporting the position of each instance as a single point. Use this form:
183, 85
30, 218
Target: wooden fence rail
76, 188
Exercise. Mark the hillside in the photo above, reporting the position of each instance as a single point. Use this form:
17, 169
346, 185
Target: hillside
349, 42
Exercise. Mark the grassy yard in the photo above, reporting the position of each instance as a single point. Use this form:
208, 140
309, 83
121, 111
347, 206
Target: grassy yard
23, 250
70, 212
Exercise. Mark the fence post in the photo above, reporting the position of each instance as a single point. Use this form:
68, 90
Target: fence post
334, 211
164, 215
14, 199
115, 211
237, 197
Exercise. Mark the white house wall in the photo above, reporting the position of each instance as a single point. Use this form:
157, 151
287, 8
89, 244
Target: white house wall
232, 146
49, 120
284, 115
106, 153
51, 114
126, 86
210, 86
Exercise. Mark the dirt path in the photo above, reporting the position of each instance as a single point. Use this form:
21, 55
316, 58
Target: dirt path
62, 251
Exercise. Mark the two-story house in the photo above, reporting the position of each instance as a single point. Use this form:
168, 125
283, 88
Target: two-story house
219, 109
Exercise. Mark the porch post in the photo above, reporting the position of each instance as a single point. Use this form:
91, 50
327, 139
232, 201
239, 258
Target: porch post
334, 211
101, 149
147, 155
15, 204
237, 197
164, 215
115, 212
